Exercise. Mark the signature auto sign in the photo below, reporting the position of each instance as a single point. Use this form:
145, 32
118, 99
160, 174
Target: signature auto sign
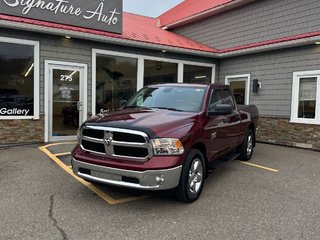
104, 15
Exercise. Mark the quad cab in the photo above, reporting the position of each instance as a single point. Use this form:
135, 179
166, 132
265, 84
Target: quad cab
167, 136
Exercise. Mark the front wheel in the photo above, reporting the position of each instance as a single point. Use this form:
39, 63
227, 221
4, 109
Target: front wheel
246, 148
192, 177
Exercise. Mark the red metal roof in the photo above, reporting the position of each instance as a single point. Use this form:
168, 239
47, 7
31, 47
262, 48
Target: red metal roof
135, 27
189, 8
144, 30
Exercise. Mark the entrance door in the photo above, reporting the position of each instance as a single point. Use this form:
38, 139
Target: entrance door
240, 86
66, 99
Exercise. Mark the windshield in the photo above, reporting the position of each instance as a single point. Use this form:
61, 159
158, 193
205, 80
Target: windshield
186, 99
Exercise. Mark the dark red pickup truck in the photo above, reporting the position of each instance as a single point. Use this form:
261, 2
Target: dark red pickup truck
167, 136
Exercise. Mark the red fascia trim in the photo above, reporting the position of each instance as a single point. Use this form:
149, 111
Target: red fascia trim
58, 26
270, 42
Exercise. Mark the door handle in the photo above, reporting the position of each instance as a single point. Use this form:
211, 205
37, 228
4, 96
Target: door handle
213, 136
79, 106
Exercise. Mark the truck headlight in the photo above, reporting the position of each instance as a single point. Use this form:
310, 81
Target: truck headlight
167, 146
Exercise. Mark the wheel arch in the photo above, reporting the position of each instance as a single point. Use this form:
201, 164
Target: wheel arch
202, 148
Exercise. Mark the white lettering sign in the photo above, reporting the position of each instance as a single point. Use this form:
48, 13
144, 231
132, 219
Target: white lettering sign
65, 10
55, 7
14, 111
100, 17
65, 78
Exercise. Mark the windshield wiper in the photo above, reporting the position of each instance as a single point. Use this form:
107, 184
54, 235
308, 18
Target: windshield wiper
168, 108
135, 107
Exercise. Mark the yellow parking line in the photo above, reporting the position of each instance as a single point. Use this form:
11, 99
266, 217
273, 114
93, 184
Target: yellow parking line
62, 154
89, 185
259, 166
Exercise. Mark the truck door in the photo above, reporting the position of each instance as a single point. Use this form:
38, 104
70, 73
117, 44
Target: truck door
234, 125
220, 132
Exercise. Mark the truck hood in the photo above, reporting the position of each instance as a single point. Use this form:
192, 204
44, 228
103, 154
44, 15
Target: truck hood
155, 122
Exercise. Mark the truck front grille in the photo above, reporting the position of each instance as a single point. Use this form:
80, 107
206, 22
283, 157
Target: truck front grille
116, 143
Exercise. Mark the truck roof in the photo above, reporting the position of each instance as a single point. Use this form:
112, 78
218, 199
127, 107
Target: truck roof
201, 85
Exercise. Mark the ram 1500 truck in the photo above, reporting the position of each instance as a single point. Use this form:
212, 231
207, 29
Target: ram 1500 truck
164, 137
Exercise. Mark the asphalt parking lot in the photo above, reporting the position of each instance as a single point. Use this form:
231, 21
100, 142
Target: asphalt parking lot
275, 197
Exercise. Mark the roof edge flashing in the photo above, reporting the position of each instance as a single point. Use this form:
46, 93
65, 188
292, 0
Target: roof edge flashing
206, 14
270, 47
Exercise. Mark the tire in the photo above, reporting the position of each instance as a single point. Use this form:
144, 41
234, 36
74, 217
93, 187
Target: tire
192, 177
246, 148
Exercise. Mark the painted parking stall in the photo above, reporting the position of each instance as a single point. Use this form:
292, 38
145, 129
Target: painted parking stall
60, 154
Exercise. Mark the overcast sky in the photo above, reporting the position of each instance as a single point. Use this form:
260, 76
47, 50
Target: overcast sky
151, 8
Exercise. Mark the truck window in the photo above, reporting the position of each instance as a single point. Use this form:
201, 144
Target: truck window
187, 99
227, 97
215, 99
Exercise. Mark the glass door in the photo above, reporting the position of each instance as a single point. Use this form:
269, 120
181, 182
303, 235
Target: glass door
65, 102
240, 86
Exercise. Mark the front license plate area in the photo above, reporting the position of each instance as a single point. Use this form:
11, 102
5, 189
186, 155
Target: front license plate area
106, 176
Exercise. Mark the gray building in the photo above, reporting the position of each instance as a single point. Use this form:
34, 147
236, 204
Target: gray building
56, 73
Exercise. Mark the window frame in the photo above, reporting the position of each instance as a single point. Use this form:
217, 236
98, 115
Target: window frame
36, 84
213, 90
140, 69
295, 97
238, 78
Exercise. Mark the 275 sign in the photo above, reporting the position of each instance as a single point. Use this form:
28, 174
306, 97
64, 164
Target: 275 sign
65, 78
104, 15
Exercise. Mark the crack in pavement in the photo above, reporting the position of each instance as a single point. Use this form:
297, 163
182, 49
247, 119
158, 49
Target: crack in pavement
55, 222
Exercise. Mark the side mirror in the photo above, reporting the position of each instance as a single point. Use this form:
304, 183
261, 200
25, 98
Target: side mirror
221, 109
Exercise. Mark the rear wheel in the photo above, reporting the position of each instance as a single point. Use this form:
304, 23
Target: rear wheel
246, 148
192, 177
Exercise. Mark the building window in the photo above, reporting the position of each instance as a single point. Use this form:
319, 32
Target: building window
116, 81
197, 74
19, 97
118, 75
306, 97
240, 86
160, 72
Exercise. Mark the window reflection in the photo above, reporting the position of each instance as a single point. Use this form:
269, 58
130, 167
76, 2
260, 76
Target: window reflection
197, 74
239, 91
116, 81
307, 98
187, 99
16, 79
160, 72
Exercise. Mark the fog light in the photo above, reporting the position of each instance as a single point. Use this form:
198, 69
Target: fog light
160, 179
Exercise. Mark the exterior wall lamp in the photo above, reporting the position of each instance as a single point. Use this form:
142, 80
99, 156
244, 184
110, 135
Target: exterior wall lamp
255, 85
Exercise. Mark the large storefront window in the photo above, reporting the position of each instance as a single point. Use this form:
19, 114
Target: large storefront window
116, 81
197, 74
160, 72
17, 64
119, 75
306, 97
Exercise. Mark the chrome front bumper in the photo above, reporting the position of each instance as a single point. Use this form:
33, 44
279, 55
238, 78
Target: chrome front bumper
147, 180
